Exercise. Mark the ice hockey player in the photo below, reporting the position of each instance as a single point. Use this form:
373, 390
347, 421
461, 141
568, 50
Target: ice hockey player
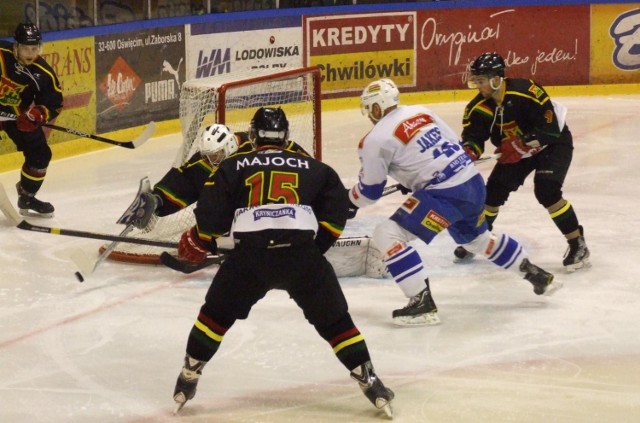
529, 130
29, 89
416, 148
181, 186
284, 210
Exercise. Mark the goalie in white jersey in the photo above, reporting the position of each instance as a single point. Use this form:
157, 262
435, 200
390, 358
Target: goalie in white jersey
412, 145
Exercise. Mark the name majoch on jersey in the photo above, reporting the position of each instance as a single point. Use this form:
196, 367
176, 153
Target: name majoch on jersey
10, 92
277, 161
408, 128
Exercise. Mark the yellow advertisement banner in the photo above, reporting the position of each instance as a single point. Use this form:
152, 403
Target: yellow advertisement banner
353, 71
615, 49
74, 62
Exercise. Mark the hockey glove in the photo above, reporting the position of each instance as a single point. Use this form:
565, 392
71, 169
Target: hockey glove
32, 119
190, 248
404, 190
471, 152
149, 203
512, 150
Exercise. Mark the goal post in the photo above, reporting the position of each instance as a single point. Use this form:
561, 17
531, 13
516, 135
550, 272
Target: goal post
232, 99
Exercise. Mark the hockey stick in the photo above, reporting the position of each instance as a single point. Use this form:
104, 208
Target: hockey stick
87, 265
185, 267
93, 235
141, 139
487, 158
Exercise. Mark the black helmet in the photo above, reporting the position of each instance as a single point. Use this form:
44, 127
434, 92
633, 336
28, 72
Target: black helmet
488, 64
269, 126
27, 33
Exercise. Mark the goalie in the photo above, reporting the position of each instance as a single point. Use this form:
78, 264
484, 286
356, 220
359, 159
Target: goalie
180, 187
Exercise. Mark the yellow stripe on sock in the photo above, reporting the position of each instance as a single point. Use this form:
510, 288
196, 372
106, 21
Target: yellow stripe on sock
347, 343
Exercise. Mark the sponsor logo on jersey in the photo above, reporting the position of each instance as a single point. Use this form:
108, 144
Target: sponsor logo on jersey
410, 204
274, 213
536, 91
10, 92
435, 222
410, 127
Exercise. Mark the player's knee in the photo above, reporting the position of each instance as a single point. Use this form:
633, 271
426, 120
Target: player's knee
497, 194
547, 193
390, 238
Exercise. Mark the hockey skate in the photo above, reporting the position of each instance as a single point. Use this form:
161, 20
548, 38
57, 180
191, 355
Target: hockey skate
577, 254
461, 255
541, 280
29, 205
420, 311
187, 381
373, 388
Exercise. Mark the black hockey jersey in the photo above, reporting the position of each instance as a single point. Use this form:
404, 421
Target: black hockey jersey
181, 186
271, 175
526, 110
20, 85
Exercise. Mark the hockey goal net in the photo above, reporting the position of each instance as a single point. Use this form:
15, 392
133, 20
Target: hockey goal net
232, 100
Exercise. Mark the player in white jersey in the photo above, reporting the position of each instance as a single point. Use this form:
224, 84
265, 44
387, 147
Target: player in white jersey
412, 145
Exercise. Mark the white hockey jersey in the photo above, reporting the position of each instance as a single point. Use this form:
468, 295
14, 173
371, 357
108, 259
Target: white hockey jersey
416, 148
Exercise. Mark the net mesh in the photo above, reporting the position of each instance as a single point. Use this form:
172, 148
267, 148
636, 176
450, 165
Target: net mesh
232, 100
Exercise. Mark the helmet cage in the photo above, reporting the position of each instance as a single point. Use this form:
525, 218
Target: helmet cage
217, 142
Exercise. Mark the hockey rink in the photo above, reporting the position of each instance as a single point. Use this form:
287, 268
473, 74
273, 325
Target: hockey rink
110, 349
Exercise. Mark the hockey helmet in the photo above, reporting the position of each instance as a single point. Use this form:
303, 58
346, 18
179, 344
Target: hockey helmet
486, 65
382, 92
27, 34
269, 126
217, 143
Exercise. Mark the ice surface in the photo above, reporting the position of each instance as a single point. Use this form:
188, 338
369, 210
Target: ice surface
109, 349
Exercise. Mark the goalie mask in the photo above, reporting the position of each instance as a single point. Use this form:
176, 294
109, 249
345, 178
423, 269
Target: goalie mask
269, 126
382, 92
217, 143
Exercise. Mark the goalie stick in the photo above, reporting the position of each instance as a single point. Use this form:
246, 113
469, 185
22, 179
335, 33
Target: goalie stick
94, 235
7, 209
141, 139
88, 265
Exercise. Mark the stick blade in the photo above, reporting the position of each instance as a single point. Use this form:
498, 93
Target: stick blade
83, 262
145, 135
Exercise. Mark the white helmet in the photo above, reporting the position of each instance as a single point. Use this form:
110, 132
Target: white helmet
217, 142
382, 92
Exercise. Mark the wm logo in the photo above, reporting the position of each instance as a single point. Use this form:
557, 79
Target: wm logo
218, 62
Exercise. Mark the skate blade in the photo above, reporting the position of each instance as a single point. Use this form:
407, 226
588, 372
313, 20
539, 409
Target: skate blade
180, 400
583, 264
464, 260
552, 288
427, 319
29, 213
387, 410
